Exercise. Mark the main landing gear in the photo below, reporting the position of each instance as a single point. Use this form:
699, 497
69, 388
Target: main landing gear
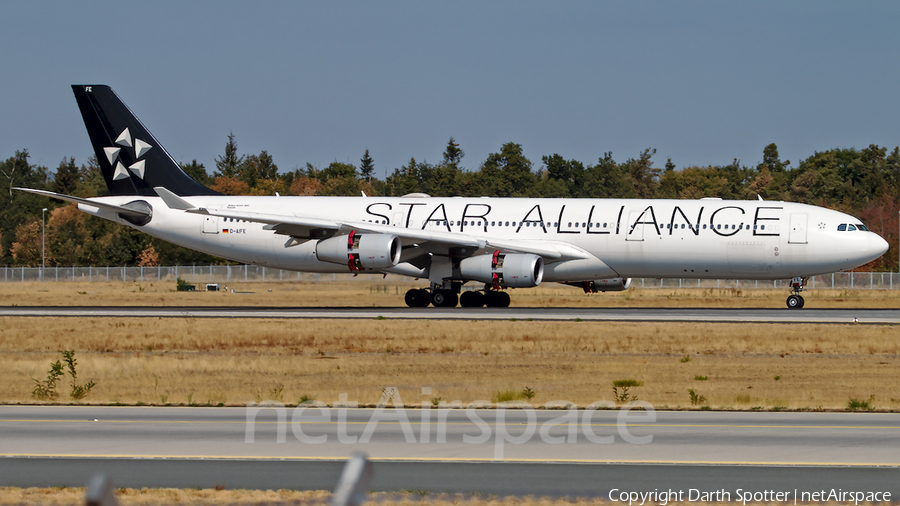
795, 300
421, 297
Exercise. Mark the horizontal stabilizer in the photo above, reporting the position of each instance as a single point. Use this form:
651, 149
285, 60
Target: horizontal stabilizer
88, 202
172, 200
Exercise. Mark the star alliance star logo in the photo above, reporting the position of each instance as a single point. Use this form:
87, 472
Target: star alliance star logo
140, 149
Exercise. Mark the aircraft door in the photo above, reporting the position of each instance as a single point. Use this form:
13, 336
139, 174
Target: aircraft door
634, 232
797, 233
210, 224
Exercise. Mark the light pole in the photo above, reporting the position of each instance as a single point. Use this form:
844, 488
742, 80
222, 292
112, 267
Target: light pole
44, 210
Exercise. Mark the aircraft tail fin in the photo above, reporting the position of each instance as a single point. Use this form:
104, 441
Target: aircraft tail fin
131, 159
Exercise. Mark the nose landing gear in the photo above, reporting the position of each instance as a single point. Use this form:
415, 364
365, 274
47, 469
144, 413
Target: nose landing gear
795, 300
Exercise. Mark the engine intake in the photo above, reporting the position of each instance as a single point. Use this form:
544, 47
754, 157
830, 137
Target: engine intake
506, 271
361, 251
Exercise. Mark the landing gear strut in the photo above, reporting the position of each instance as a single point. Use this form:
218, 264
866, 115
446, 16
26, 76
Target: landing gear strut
795, 300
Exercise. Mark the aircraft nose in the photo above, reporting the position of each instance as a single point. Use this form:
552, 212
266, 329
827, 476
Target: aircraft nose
877, 245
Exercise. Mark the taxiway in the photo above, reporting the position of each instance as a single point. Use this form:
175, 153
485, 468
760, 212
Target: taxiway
737, 315
450, 450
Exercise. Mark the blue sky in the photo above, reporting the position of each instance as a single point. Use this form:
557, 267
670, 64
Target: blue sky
702, 82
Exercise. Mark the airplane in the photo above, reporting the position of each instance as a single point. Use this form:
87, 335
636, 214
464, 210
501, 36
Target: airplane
498, 243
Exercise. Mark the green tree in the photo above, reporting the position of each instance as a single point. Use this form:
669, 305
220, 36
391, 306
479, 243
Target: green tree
67, 177
570, 173
453, 154
772, 177
337, 169
18, 207
608, 179
229, 164
366, 166
257, 167
197, 172
91, 181
505, 174
644, 177
406, 179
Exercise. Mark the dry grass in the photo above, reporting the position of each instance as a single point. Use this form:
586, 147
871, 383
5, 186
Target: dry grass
390, 292
128, 497
232, 362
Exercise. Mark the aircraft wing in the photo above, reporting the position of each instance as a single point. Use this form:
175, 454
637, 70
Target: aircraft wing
302, 227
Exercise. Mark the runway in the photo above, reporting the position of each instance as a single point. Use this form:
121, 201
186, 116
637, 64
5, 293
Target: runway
509, 451
735, 315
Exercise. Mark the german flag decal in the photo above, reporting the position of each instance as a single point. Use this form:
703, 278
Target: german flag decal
224, 230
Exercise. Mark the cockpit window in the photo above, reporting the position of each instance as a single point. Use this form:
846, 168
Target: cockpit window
862, 227
842, 227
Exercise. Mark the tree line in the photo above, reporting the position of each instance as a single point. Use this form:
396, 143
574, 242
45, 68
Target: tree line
861, 182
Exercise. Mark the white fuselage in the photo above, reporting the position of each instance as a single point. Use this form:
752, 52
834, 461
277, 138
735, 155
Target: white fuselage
707, 238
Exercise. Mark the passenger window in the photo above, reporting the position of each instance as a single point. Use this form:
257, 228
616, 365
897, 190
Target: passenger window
851, 228
719, 226
514, 224
570, 223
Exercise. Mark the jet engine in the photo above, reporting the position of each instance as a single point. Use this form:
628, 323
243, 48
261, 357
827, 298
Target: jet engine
360, 251
507, 271
603, 285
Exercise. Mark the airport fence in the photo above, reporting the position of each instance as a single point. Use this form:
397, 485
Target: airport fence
197, 274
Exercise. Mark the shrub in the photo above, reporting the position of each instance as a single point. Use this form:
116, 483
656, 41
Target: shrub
624, 385
696, 399
46, 390
78, 391
861, 404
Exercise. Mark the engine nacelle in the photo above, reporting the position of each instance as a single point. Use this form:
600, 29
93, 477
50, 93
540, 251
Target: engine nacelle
508, 271
361, 251
603, 285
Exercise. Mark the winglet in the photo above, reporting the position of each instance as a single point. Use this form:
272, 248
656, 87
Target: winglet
173, 201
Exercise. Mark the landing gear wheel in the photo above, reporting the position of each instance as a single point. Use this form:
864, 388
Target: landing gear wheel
471, 299
417, 298
794, 302
496, 299
444, 298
